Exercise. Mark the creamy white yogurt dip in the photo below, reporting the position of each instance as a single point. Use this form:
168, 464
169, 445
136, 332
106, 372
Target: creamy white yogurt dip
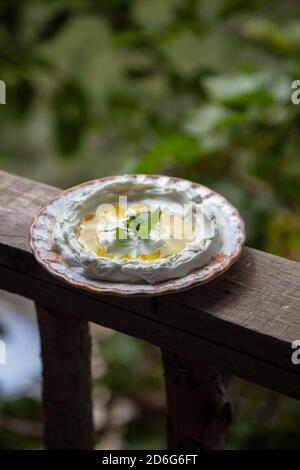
137, 229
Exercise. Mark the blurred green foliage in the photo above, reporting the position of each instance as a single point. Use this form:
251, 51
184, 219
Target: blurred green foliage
20, 424
197, 88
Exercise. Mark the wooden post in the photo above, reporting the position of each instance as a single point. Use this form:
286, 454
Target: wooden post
197, 416
67, 403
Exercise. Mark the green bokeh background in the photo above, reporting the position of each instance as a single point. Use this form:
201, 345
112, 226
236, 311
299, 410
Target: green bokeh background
199, 89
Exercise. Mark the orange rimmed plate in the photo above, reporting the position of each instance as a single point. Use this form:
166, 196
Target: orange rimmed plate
227, 217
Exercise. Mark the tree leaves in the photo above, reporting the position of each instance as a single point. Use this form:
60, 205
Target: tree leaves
260, 88
20, 97
54, 25
71, 116
238, 89
282, 231
269, 33
177, 148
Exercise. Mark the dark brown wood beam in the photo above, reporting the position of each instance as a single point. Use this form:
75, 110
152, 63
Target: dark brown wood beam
245, 321
198, 416
67, 402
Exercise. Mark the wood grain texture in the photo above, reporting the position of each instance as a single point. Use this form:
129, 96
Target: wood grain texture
67, 389
197, 414
244, 321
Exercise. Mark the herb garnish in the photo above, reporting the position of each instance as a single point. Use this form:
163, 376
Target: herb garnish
141, 224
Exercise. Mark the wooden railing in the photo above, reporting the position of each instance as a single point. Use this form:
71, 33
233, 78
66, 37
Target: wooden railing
243, 322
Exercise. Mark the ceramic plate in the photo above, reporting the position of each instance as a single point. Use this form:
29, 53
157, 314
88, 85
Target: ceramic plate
227, 216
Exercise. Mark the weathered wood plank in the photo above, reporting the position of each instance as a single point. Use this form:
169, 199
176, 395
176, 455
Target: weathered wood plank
197, 414
244, 321
66, 357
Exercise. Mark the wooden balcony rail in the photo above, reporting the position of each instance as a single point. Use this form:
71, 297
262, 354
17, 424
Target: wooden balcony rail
243, 322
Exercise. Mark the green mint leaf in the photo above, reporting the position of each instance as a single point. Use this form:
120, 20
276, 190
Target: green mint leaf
147, 222
121, 233
130, 219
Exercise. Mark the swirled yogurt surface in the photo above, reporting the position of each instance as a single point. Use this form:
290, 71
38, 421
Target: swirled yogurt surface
137, 229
